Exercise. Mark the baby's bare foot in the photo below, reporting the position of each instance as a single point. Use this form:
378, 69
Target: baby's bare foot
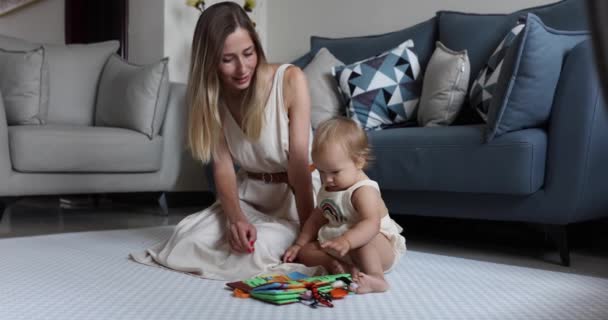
367, 283
354, 273
337, 267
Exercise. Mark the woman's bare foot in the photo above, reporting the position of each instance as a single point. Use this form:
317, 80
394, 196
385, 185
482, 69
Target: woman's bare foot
367, 283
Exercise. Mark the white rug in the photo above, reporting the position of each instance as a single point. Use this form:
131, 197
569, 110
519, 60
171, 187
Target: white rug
88, 276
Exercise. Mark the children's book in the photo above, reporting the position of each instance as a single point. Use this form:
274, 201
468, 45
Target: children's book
283, 289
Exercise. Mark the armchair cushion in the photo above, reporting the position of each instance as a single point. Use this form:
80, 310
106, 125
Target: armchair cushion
74, 72
14, 44
71, 149
133, 97
21, 77
526, 85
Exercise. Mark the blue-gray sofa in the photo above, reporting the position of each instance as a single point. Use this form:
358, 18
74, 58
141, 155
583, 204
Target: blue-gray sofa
552, 175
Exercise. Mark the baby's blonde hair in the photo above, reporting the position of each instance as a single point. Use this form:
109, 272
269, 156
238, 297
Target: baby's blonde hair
346, 133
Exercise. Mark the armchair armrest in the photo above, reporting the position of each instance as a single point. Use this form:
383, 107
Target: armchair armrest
180, 172
578, 140
5, 156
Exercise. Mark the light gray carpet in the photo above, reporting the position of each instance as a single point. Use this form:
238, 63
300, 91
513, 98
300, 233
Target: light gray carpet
88, 276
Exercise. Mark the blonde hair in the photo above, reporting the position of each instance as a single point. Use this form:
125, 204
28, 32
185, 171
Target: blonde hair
346, 133
204, 92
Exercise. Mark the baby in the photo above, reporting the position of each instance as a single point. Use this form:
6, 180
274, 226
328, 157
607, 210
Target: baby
350, 228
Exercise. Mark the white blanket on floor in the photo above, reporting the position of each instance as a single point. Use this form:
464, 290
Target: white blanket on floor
88, 276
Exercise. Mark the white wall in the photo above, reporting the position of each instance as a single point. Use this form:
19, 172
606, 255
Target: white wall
291, 22
146, 30
180, 21
40, 21
160, 28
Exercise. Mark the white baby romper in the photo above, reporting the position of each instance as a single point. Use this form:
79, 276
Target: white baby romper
337, 207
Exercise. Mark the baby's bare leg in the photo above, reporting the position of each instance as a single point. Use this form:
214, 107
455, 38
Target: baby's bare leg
313, 255
373, 259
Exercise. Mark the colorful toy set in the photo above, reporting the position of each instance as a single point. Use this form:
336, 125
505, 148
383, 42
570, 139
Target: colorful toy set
294, 287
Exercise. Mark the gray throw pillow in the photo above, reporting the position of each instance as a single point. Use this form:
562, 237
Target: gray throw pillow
133, 97
325, 98
74, 72
444, 87
14, 44
21, 77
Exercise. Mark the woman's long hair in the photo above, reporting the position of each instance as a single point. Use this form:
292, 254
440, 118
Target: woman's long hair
204, 93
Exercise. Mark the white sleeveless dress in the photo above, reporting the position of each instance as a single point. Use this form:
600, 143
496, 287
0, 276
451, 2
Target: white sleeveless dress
199, 244
338, 209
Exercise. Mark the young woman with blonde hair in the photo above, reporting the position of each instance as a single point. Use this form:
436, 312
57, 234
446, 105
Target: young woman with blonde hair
246, 112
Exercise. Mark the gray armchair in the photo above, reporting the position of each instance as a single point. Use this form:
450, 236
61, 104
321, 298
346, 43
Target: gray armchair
71, 153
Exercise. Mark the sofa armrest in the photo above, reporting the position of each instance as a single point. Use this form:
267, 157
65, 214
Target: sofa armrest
180, 172
578, 140
5, 156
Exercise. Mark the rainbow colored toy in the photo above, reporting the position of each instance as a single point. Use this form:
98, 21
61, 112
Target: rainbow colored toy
294, 287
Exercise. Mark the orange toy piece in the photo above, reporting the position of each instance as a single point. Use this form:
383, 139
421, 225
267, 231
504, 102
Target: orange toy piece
238, 293
338, 293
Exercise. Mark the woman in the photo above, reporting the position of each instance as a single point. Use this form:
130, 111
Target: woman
256, 115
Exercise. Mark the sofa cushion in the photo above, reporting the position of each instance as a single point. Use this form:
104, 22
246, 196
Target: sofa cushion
480, 34
524, 93
14, 44
303, 60
483, 87
352, 49
21, 84
455, 159
74, 72
384, 90
60, 148
325, 98
133, 97
444, 87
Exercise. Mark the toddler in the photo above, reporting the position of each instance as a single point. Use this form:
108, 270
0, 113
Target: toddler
350, 229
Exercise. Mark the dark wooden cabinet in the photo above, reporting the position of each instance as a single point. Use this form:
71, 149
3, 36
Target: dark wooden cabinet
95, 21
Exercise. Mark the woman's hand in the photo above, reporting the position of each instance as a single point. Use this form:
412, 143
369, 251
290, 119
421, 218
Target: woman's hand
242, 236
291, 253
341, 245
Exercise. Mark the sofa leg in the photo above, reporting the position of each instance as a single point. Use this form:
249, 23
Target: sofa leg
163, 204
2, 208
558, 234
5, 203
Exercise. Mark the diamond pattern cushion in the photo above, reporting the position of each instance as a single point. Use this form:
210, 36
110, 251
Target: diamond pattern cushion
483, 88
383, 90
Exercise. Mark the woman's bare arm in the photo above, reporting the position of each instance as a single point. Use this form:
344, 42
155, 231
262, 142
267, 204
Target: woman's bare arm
242, 232
297, 98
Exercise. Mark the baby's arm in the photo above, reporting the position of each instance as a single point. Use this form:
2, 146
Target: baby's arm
309, 233
368, 203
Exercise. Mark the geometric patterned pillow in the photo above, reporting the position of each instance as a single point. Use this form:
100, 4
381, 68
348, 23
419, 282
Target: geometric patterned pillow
483, 87
383, 90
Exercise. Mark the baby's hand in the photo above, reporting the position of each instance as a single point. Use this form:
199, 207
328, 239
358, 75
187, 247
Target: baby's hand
291, 253
339, 244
